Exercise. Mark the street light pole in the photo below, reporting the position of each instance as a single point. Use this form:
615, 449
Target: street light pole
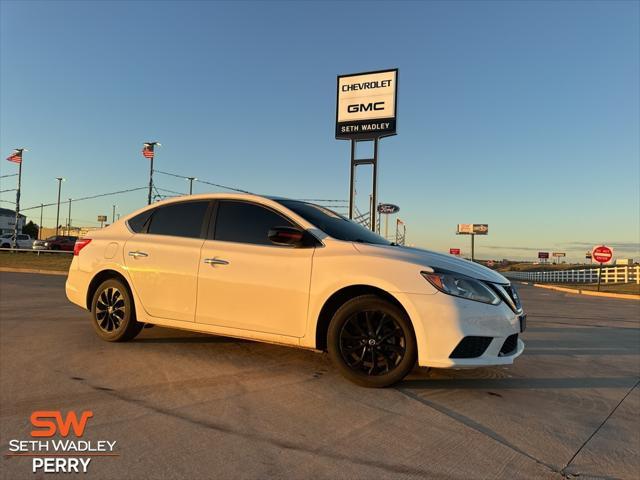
60, 180
113, 214
191, 179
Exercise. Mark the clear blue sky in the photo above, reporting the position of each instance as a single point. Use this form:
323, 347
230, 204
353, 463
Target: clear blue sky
522, 115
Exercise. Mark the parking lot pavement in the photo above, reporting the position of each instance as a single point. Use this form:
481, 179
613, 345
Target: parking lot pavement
184, 405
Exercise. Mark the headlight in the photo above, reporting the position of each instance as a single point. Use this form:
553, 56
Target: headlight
461, 286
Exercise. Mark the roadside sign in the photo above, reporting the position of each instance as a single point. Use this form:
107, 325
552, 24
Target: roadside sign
559, 254
543, 254
454, 251
102, 218
602, 254
472, 229
366, 105
388, 208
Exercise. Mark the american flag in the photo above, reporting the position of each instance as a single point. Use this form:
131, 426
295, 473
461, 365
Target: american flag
147, 150
16, 156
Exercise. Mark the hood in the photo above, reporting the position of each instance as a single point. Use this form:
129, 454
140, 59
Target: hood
434, 260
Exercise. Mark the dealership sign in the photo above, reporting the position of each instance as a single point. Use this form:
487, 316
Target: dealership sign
366, 105
559, 254
543, 254
473, 229
602, 254
388, 208
102, 218
454, 251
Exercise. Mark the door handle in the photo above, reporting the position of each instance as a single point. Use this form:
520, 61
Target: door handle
215, 261
137, 254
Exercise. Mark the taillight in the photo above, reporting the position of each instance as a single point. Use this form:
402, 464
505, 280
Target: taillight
80, 244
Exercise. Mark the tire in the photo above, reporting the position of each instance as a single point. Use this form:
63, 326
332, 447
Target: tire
113, 314
371, 342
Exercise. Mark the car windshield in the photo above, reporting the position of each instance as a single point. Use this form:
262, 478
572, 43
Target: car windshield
333, 224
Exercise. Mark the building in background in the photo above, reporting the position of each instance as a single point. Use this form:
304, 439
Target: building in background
8, 220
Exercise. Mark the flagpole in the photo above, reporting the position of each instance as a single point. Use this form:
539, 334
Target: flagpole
150, 180
15, 227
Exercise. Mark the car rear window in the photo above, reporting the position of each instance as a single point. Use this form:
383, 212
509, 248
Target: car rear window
179, 219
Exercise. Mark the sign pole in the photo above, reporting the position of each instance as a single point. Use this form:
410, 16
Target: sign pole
15, 227
599, 276
473, 237
352, 178
375, 181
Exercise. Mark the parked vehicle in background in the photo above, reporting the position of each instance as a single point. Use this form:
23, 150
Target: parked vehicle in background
24, 241
290, 272
56, 242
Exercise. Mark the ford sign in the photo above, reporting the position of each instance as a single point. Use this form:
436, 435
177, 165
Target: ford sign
388, 208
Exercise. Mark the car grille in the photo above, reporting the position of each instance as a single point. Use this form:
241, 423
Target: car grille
510, 345
514, 296
471, 347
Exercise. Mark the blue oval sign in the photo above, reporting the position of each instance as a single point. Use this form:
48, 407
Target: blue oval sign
388, 208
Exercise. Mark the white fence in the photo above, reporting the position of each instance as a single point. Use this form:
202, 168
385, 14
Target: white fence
619, 274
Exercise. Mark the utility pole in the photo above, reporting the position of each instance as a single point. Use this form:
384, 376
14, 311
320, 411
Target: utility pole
69, 220
191, 179
60, 180
113, 214
40, 226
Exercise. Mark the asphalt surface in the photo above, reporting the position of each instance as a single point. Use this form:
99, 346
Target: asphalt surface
182, 405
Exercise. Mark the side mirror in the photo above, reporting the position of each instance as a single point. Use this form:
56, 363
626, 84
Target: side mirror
286, 236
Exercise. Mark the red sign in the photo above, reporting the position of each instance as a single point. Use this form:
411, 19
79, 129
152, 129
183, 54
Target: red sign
602, 254
543, 254
454, 251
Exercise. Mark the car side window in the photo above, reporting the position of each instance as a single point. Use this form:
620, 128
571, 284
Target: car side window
138, 222
179, 219
23, 237
245, 222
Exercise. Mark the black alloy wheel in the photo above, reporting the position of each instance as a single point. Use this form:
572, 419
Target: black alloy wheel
110, 309
372, 342
113, 312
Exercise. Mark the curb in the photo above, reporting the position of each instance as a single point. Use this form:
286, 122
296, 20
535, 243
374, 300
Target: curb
33, 270
624, 296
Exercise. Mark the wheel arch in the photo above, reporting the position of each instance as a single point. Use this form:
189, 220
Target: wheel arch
101, 277
338, 298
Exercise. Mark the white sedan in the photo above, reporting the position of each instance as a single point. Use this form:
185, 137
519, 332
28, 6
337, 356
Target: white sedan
293, 273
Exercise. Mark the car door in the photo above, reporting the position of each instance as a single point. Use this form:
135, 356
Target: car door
163, 258
246, 281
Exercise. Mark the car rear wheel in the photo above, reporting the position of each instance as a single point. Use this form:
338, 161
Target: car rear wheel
113, 312
372, 342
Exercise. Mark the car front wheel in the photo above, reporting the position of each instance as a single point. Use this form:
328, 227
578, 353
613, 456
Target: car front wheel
113, 313
372, 342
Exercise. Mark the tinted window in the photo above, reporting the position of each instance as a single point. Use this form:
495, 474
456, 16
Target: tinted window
179, 219
333, 224
246, 223
23, 237
137, 223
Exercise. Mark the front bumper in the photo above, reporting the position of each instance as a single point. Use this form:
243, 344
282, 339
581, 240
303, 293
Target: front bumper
442, 321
